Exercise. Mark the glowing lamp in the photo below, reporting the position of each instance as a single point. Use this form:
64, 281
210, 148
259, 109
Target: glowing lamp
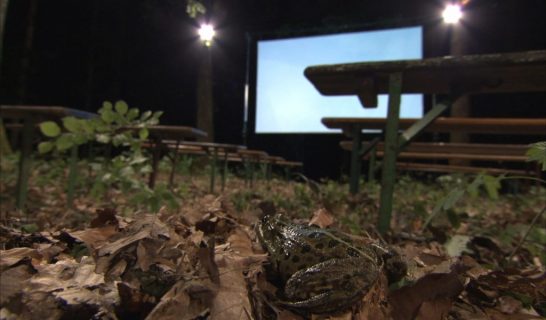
206, 33
452, 13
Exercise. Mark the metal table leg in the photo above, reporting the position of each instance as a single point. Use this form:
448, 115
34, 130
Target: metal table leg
24, 163
213, 169
225, 170
72, 176
356, 160
174, 161
155, 163
371, 165
391, 149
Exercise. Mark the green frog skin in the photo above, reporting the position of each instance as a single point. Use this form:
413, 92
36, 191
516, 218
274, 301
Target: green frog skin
322, 270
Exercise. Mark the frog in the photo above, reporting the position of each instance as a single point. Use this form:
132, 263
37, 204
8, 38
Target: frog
322, 271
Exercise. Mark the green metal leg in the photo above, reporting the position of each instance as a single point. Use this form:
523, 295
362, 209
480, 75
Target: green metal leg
419, 126
225, 170
251, 166
24, 163
371, 165
268, 169
213, 169
72, 176
247, 171
155, 163
391, 146
174, 161
356, 161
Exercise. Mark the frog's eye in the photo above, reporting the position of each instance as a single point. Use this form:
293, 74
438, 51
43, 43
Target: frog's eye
352, 252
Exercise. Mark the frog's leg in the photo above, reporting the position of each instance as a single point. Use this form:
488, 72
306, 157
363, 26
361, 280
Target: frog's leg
330, 285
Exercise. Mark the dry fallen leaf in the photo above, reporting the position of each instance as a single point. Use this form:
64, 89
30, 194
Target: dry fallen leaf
322, 218
406, 301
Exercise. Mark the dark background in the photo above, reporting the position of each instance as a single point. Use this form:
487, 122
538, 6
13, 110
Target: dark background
146, 52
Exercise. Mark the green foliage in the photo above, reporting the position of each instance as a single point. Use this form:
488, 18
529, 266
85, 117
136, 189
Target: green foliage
489, 183
537, 152
122, 127
241, 200
50, 129
194, 8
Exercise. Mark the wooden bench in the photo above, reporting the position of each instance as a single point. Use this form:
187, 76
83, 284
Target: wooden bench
31, 116
513, 126
444, 168
161, 133
517, 126
451, 76
446, 151
212, 150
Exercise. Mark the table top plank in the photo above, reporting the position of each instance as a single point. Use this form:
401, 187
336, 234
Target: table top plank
42, 112
508, 72
166, 132
529, 126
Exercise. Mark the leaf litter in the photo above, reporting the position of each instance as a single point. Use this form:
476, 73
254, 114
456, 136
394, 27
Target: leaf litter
203, 261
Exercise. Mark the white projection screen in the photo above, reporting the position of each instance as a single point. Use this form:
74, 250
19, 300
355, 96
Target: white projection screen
286, 102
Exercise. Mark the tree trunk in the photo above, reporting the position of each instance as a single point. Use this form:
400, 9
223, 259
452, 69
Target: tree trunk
3, 14
27, 51
205, 106
461, 107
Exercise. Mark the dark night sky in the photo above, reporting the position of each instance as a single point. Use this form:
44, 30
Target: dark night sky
147, 53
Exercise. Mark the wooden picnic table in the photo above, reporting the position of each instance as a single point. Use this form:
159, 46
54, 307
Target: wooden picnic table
518, 126
31, 115
161, 133
454, 76
212, 149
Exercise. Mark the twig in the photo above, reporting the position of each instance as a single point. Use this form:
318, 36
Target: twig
535, 219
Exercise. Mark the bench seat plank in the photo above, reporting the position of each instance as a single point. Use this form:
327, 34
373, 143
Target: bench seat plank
520, 126
443, 168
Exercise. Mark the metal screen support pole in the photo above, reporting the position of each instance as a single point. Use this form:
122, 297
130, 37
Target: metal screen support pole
391, 148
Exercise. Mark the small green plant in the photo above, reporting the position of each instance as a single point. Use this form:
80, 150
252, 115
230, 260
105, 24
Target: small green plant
491, 184
121, 127
537, 152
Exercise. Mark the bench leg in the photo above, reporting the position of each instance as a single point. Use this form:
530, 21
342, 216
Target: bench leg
356, 161
371, 165
225, 170
155, 163
252, 168
391, 146
213, 169
174, 161
72, 176
24, 163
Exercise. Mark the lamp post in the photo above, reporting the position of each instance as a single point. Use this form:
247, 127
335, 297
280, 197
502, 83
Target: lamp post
205, 105
452, 15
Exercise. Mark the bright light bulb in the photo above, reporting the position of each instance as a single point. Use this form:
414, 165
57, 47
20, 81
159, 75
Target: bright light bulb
206, 33
452, 13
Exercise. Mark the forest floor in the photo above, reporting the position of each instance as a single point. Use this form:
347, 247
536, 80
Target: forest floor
107, 258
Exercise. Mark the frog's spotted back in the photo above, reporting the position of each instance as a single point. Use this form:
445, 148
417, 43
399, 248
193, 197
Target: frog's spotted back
318, 267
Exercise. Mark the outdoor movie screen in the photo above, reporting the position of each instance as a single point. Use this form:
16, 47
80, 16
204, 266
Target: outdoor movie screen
286, 102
